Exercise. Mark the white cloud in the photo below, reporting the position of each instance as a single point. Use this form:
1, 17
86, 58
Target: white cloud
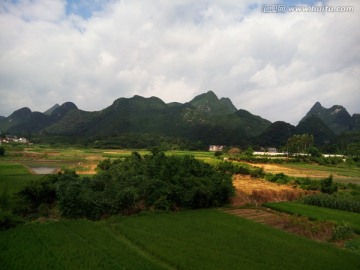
274, 65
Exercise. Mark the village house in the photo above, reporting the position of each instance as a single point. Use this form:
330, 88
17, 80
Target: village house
13, 139
216, 148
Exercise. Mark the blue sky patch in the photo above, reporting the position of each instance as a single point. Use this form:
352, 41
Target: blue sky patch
85, 8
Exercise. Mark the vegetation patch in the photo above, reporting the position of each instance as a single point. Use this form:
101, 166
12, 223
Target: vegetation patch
155, 182
69, 245
208, 239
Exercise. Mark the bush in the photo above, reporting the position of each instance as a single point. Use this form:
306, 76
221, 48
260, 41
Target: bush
342, 232
34, 194
308, 184
257, 173
279, 178
353, 245
328, 186
231, 168
8, 220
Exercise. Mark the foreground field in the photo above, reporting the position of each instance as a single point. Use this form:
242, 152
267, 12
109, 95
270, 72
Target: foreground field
68, 245
202, 239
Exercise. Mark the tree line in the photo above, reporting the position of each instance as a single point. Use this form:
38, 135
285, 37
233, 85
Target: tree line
136, 183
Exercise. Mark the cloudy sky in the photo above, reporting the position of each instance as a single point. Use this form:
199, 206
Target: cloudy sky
91, 52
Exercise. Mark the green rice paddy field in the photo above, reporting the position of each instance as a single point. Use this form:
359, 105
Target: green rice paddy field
14, 176
201, 239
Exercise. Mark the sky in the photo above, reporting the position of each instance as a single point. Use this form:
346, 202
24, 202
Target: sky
91, 52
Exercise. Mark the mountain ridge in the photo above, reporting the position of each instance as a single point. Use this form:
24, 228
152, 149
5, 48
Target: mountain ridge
336, 117
205, 118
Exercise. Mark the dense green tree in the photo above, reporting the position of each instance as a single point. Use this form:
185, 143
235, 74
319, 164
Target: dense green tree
314, 152
300, 143
104, 164
132, 184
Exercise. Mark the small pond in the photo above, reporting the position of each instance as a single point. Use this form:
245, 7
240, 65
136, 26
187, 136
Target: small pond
44, 170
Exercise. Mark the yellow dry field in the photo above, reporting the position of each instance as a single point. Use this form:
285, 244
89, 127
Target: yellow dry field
297, 172
341, 174
257, 191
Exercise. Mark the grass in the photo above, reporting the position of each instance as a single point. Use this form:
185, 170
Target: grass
13, 177
208, 239
318, 213
68, 245
201, 239
13, 169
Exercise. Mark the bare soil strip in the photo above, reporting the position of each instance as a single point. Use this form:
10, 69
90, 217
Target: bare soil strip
315, 230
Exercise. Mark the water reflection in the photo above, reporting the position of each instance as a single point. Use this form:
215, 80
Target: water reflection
44, 170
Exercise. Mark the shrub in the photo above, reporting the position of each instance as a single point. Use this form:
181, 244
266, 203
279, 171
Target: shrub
328, 185
279, 178
308, 184
342, 232
34, 194
8, 220
231, 168
257, 173
353, 245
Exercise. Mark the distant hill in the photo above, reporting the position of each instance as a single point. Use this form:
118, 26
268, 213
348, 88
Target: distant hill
24, 121
336, 117
17, 117
313, 125
276, 134
205, 119
209, 103
355, 123
50, 110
